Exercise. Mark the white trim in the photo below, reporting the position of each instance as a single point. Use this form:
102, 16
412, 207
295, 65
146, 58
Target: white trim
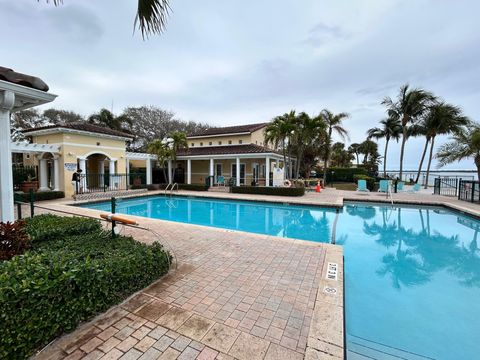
98, 152
230, 156
140, 156
93, 146
24, 147
26, 97
218, 135
56, 130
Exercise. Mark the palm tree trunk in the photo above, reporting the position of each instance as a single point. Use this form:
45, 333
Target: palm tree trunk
477, 163
422, 159
327, 156
385, 158
402, 150
356, 155
284, 159
429, 162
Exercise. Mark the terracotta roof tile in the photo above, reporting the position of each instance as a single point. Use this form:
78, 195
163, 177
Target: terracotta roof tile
230, 130
226, 150
9, 75
83, 126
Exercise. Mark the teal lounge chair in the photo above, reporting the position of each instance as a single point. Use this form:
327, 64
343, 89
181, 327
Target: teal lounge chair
220, 180
401, 186
416, 188
384, 186
362, 186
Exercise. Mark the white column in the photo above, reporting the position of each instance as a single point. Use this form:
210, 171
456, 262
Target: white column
189, 171
7, 101
113, 177
42, 169
56, 174
83, 182
211, 172
127, 170
149, 171
237, 175
267, 171
170, 175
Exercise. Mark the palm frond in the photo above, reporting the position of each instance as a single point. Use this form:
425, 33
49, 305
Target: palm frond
152, 16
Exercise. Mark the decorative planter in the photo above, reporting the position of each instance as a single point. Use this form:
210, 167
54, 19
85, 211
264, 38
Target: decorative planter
137, 182
27, 185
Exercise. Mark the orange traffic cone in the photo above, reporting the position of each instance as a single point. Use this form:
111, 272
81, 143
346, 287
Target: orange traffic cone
318, 187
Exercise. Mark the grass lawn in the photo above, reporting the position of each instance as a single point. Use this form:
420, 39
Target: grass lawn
344, 186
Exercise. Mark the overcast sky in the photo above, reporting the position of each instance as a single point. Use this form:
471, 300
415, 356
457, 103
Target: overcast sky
239, 62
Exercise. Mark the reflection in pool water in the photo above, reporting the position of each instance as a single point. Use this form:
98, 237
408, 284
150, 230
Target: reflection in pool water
412, 279
412, 275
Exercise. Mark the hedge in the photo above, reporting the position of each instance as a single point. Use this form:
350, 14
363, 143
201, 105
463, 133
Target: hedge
39, 196
67, 279
370, 181
192, 187
344, 174
262, 190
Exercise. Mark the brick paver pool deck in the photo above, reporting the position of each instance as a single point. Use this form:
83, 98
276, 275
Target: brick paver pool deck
234, 295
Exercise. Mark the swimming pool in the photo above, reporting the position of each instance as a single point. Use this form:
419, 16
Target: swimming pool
412, 274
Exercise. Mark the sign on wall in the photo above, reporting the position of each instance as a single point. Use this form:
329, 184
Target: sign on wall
70, 166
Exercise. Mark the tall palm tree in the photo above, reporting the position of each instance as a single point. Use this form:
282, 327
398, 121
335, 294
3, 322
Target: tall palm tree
333, 124
442, 119
409, 106
390, 129
278, 133
151, 16
354, 149
368, 148
106, 118
465, 144
177, 140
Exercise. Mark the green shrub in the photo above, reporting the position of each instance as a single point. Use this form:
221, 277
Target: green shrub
261, 190
344, 174
52, 227
57, 285
370, 181
192, 187
39, 196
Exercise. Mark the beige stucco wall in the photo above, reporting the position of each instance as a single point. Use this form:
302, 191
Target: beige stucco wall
75, 146
216, 140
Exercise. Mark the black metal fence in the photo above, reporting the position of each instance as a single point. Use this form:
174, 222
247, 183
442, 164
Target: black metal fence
447, 186
23, 173
469, 190
92, 183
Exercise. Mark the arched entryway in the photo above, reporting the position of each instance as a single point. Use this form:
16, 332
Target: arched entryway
99, 172
48, 172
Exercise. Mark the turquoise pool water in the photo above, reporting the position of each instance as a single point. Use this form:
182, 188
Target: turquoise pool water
412, 274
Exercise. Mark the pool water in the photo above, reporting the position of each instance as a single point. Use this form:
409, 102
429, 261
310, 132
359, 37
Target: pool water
412, 274
308, 223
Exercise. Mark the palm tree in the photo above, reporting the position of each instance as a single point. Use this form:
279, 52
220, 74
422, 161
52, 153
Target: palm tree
333, 124
279, 131
390, 129
307, 131
368, 148
409, 106
177, 141
162, 151
442, 119
465, 144
151, 16
354, 149
106, 118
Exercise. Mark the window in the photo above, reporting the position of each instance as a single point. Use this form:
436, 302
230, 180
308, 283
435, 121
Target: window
210, 143
219, 143
240, 141
192, 144
201, 144
229, 142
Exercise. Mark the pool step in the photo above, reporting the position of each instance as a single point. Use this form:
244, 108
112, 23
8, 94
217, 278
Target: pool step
363, 349
223, 189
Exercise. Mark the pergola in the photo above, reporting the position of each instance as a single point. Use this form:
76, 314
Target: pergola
17, 92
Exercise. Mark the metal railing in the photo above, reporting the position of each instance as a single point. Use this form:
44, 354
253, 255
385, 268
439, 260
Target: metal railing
93, 183
469, 190
447, 186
